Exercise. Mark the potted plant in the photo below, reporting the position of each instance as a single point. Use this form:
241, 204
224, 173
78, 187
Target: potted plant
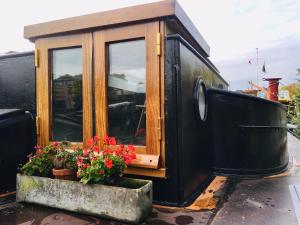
107, 166
64, 161
102, 191
40, 162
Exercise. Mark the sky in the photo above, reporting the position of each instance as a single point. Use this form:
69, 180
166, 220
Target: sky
234, 29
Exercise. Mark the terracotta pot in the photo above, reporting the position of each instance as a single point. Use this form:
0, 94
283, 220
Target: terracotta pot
64, 174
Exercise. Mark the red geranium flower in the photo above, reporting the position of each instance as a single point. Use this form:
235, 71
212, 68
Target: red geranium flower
85, 166
100, 172
118, 152
112, 141
96, 149
79, 162
85, 152
106, 140
90, 142
108, 163
127, 161
130, 147
55, 144
96, 138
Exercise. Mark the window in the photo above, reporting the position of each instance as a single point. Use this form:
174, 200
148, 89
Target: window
67, 94
123, 96
127, 92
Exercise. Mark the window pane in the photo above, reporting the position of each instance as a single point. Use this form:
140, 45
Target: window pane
127, 92
67, 94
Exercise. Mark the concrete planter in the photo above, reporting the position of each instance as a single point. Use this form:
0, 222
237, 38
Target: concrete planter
130, 202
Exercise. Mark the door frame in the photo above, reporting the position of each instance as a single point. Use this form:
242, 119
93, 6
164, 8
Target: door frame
43, 83
147, 156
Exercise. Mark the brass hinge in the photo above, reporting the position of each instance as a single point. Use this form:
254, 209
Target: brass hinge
36, 58
159, 128
37, 125
158, 44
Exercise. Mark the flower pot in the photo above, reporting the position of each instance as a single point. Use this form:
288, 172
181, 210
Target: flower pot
64, 174
130, 202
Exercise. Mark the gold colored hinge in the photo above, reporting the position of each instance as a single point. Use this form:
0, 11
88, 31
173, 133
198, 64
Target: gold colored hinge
158, 44
37, 125
159, 128
36, 58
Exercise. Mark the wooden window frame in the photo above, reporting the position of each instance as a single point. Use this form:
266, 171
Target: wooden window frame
150, 159
43, 83
147, 156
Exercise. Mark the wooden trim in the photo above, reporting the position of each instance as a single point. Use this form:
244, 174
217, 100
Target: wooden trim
42, 90
152, 90
43, 82
159, 173
138, 149
87, 100
125, 33
162, 94
100, 19
100, 85
146, 161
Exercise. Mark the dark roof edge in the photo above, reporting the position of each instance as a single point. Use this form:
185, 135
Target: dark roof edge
189, 25
16, 54
247, 96
204, 59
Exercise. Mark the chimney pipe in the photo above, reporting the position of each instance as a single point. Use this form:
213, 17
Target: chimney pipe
273, 88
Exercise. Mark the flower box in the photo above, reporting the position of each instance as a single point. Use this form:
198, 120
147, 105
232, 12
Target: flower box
131, 201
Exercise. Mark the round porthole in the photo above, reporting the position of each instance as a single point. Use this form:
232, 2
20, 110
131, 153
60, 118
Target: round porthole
200, 99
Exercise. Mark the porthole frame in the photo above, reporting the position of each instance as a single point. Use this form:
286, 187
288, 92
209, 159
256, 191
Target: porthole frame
199, 83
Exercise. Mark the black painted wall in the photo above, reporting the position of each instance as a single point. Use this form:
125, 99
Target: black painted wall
249, 134
189, 152
17, 81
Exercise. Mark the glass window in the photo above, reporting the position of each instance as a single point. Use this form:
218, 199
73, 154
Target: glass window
201, 99
127, 92
67, 94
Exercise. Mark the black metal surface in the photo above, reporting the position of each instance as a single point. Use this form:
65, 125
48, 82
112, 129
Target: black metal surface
7, 113
194, 150
166, 191
249, 134
188, 151
16, 141
17, 81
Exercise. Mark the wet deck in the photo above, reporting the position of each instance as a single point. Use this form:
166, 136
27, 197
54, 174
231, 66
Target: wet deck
261, 201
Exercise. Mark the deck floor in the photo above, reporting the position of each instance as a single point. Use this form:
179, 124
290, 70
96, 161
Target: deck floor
261, 201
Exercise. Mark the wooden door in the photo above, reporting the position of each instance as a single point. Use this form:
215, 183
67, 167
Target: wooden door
127, 89
64, 88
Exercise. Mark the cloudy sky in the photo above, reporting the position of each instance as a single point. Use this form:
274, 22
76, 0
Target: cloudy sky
232, 28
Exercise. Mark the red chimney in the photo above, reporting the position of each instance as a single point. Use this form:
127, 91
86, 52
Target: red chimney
273, 88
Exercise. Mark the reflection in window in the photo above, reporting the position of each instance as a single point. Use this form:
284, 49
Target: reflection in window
67, 94
127, 92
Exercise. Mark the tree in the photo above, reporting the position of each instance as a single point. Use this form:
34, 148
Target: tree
295, 115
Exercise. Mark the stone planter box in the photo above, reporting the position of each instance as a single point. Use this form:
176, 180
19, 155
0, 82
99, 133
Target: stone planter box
130, 202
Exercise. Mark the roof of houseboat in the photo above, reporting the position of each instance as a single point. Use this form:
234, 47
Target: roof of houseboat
133, 14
